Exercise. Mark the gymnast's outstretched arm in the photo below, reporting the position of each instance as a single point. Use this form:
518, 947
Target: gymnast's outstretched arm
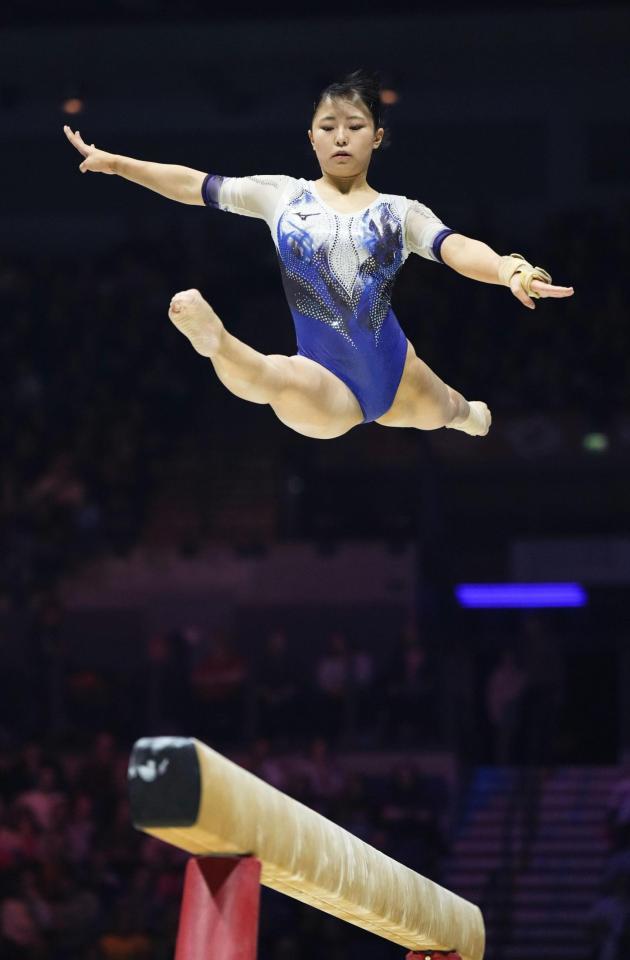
478, 261
254, 196
427, 236
170, 180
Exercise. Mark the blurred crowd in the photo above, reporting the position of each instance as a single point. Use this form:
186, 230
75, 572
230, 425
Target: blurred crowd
220, 687
513, 692
78, 883
107, 412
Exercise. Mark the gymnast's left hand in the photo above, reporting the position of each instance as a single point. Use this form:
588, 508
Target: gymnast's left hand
540, 287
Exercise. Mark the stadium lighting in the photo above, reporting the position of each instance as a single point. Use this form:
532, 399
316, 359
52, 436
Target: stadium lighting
516, 595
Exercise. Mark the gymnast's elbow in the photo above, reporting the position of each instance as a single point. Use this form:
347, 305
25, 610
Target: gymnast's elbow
453, 250
193, 188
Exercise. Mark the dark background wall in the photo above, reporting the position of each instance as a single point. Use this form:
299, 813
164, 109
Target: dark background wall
503, 117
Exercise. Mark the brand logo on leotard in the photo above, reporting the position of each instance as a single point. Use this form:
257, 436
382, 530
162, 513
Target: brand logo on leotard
303, 216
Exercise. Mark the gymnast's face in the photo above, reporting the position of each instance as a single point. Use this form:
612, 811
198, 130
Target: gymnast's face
344, 125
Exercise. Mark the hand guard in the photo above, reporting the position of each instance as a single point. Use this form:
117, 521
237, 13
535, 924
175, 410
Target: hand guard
516, 263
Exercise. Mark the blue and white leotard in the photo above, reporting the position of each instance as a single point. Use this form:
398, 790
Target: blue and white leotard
338, 271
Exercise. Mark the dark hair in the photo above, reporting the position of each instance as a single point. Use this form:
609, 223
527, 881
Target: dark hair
358, 85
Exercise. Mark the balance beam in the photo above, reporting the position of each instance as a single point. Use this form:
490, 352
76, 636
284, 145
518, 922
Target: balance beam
186, 794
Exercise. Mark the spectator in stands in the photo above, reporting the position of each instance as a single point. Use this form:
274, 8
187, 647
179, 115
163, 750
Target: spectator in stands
322, 773
43, 799
265, 765
168, 681
26, 769
25, 918
219, 683
505, 692
74, 913
98, 778
355, 808
344, 706
20, 837
332, 684
410, 685
543, 695
80, 829
363, 717
277, 691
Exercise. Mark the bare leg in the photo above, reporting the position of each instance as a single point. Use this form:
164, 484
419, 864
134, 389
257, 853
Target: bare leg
427, 403
303, 394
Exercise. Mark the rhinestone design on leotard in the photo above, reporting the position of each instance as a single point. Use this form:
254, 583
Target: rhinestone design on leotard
340, 269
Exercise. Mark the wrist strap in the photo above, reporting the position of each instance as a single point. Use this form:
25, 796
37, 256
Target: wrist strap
516, 263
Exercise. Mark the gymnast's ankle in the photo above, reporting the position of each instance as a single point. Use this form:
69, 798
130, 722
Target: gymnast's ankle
477, 423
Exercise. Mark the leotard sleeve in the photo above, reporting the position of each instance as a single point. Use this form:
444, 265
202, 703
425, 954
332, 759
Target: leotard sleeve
255, 196
424, 232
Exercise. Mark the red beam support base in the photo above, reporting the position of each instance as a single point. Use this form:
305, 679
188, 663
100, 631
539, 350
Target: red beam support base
220, 909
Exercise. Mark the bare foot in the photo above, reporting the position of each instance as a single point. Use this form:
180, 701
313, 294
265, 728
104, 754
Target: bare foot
478, 421
197, 320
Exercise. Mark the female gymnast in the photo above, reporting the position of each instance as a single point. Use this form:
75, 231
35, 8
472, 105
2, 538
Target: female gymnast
340, 245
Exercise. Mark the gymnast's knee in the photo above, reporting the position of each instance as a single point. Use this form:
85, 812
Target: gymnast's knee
426, 413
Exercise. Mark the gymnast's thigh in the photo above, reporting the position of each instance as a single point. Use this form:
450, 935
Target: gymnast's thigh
314, 396
421, 396
406, 394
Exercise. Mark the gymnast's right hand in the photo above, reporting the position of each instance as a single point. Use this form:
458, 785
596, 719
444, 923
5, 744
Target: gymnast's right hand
96, 161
